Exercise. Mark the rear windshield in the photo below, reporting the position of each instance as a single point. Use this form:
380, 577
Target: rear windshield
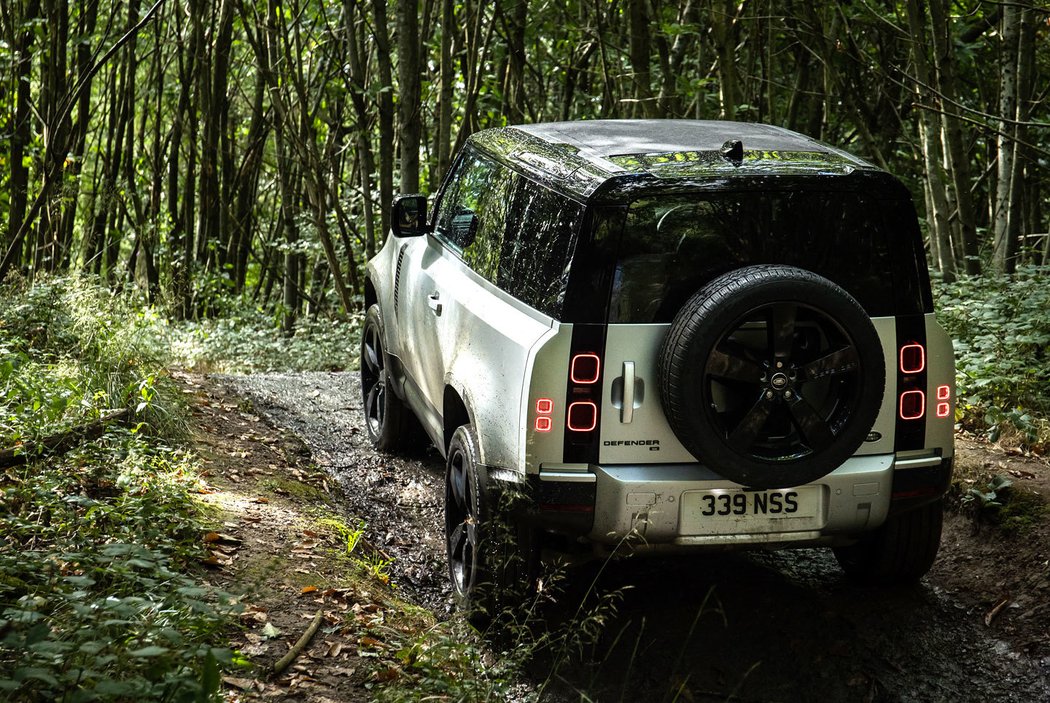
672, 245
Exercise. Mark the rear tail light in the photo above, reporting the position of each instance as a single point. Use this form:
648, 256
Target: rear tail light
544, 408
944, 395
582, 416
912, 358
912, 405
585, 369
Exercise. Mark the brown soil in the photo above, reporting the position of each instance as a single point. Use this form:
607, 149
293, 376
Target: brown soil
999, 571
272, 547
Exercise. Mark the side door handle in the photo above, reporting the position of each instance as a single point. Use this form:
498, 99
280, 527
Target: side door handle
433, 304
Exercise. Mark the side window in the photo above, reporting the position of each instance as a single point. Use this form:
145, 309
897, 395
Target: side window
539, 247
472, 215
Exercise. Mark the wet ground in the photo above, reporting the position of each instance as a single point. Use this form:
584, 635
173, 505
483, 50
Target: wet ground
748, 627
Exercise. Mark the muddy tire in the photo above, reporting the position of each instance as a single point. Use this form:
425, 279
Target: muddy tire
493, 559
389, 422
772, 376
899, 552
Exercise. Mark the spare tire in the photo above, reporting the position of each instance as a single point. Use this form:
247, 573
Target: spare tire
772, 376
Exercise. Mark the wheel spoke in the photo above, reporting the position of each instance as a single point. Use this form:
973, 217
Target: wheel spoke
745, 433
374, 403
733, 368
373, 351
782, 329
458, 542
810, 424
838, 362
457, 481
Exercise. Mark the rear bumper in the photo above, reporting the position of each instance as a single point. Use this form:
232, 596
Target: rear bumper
657, 504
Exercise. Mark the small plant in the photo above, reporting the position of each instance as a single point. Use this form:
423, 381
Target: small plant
351, 536
999, 502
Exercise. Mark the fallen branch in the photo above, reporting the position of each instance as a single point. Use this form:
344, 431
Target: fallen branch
283, 663
63, 441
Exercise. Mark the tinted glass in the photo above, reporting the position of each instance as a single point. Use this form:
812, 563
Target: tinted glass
673, 245
539, 246
472, 215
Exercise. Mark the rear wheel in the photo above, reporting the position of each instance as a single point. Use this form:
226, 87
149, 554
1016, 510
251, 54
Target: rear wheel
390, 423
899, 552
493, 559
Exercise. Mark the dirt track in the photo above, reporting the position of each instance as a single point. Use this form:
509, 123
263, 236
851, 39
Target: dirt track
763, 626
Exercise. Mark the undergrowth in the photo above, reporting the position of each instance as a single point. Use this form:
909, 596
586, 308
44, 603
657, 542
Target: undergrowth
1001, 331
245, 341
95, 598
996, 500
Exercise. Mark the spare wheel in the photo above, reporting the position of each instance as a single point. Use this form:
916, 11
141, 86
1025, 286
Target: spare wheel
772, 376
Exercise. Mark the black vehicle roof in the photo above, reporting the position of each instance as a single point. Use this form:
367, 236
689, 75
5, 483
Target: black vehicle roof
579, 158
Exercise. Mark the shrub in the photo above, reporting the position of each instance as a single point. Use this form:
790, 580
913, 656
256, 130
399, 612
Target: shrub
1002, 347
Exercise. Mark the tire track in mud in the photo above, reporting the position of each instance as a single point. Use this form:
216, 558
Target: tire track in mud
783, 626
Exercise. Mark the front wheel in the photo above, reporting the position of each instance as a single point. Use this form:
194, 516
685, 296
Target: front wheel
899, 552
389, 422
493, 559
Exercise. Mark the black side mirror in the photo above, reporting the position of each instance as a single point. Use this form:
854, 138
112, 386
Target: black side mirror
409, 216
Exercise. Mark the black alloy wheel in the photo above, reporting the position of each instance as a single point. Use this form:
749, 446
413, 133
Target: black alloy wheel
462, 516
772, 376
389, 422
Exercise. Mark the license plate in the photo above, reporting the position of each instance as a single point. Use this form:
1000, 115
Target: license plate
733, 511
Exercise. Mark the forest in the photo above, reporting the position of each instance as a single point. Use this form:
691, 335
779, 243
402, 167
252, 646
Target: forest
207, 150
197, 184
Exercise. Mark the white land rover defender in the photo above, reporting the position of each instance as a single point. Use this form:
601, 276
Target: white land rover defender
674, 334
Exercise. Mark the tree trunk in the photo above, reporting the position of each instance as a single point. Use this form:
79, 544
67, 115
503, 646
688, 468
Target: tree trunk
957, 161
386, 113
933, 158
408, 104
1005, 242
641, 76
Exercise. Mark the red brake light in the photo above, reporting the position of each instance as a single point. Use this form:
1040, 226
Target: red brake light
944, 392
585, 368
544, 406
913, 358
582, 416
943, 409
912, 405
544, 424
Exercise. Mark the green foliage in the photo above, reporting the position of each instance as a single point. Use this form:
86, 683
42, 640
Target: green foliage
246, 341
450, 661
999, 502
1002, 347
94, 601
70, 350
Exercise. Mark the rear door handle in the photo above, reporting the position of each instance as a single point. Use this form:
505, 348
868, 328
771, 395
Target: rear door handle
433, 304
627, 411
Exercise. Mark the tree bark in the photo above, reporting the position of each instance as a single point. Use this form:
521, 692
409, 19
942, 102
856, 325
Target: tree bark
957, 161
933, 158
408, 104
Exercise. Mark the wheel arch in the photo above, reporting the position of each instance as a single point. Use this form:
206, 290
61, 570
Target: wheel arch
455, 411
371, 295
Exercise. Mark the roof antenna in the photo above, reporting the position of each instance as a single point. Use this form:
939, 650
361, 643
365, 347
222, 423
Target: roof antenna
733, 150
